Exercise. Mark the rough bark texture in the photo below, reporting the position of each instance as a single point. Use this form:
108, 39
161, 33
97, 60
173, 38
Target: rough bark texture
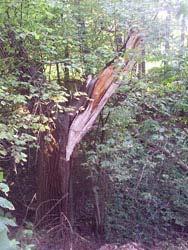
54, 166
53, 177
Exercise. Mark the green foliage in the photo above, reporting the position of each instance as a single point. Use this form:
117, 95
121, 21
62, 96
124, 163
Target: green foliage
6, 220
145, 151
46, 47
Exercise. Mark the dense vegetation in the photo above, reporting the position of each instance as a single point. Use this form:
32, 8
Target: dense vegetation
128, 178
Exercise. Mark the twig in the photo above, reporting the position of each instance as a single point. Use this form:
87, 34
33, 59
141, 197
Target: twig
51, 209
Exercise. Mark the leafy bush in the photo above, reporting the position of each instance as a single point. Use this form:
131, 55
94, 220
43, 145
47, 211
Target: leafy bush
145, 152
6, 220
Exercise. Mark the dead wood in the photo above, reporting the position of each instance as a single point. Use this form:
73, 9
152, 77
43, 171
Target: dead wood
103, 88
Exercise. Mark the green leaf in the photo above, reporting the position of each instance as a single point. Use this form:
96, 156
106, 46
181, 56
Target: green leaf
1, 175
7, 221
3, 226
4, 188
7, 244
4, 203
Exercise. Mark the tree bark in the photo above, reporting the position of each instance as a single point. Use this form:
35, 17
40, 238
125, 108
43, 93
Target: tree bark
54, 167
142, 65
54, 160
183, 26
53, 177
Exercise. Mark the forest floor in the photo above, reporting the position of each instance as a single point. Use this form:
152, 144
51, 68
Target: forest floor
44, 241
181, 244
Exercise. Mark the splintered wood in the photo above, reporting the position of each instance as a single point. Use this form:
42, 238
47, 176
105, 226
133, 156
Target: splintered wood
104, 86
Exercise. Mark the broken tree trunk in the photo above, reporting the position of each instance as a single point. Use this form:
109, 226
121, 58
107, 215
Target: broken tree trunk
104, 86
54, 165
